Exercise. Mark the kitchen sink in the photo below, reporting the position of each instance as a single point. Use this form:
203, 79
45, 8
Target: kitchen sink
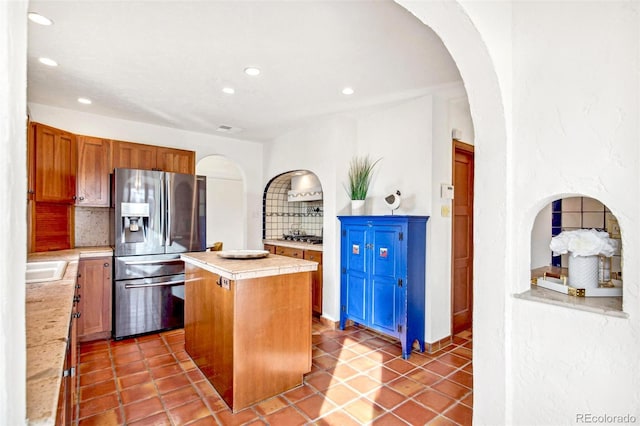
38, 272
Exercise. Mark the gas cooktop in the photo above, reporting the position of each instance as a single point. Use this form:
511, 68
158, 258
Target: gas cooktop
310, 239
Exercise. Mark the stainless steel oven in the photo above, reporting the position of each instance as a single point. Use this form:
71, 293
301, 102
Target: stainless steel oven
149, 294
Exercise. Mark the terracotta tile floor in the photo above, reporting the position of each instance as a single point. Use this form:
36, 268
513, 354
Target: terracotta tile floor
358, 377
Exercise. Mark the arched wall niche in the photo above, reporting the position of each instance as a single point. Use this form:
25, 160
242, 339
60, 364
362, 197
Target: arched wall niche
282, 216
569, 212
225, 201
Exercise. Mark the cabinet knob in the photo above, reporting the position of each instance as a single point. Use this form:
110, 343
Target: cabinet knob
81, 198
106, 264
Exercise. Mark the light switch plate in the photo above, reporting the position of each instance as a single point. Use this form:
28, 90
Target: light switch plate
446, 191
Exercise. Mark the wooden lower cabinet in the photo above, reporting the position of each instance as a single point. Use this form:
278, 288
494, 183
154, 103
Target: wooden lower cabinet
251, 338
316, 277
94, 305
316, 281
290, 252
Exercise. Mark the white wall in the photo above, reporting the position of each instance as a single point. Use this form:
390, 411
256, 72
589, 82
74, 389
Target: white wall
204, 145
567, 75
575, 130
407, 136
540, 238
13, 187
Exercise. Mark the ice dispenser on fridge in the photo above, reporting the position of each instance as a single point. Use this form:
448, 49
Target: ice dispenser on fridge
135, 222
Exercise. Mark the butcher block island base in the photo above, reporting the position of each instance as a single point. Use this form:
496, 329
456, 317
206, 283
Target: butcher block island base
248, 324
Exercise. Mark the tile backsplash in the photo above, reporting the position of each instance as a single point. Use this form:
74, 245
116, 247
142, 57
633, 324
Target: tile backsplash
281, 216
92, 226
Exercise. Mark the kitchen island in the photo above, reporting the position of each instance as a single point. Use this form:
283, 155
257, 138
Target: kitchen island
248, 323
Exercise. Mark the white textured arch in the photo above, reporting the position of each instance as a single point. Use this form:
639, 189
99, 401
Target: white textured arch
492, 222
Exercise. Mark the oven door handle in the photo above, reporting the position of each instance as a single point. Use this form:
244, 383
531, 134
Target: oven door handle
154, 262
164, 283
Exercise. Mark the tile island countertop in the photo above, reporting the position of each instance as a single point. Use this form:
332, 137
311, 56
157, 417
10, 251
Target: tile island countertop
238, 269
48, 307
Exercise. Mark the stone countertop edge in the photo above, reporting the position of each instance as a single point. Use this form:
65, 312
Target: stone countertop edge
294, 244
238, 269
611, 306
48, 307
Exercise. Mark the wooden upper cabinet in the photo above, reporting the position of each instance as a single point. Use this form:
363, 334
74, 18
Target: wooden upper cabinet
94, 166
176, 160
130, 155
55, 165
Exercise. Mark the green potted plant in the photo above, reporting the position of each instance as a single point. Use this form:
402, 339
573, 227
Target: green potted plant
360, 173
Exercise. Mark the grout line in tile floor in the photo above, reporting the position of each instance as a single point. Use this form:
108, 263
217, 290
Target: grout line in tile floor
358, 377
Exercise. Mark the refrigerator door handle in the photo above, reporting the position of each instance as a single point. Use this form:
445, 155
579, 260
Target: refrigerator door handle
165, 283
169, 183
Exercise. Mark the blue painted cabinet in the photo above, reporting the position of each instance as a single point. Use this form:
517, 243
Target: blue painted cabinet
382, 275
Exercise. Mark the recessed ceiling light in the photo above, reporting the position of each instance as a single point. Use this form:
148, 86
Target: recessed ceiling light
347, 91
229, 90
39, 19
48, 61
84, 101
252, 71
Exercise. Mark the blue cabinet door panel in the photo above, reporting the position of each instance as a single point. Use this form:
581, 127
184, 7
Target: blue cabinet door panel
385, 251
356, 297
383, 305
354, 246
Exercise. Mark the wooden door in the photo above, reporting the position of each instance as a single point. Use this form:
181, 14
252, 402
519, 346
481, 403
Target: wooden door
94, 278
176, 160
462, 239
94, 155
129, 155
55, 165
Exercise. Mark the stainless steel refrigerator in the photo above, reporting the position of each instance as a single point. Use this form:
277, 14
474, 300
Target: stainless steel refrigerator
155, 216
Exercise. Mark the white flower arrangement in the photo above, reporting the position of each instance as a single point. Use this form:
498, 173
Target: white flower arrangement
583, 242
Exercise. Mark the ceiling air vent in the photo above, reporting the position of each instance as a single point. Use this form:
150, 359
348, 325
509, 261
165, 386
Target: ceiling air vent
228, 129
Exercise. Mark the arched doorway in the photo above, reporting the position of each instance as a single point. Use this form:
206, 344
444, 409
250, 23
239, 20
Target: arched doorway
493, 233
225, 201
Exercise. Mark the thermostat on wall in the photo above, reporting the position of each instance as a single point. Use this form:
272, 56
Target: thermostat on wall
446, 191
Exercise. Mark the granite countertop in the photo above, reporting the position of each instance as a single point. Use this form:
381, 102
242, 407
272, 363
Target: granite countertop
294, 244
48, 307
237, 269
